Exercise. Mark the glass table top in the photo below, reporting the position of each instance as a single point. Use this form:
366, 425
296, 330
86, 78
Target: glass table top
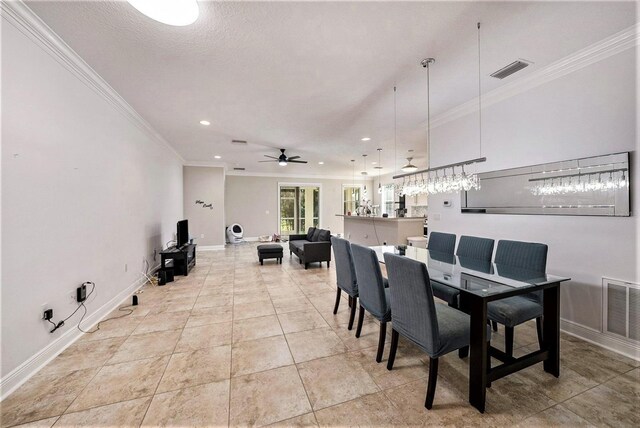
471, 275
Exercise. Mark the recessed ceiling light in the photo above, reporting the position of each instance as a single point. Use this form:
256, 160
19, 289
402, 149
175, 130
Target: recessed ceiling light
320, 163
217, 157
366, 139
373, 163
205, 122
171, 12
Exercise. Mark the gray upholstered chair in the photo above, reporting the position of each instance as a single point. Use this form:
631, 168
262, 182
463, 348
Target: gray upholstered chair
373, 296
472, 247
434, 328
345, 275
519, 259
441, 246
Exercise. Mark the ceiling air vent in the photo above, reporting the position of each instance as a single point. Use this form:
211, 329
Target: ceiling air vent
508, 70
238, 169
240, 142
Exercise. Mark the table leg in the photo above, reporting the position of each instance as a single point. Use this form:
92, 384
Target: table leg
479, 352
551, 329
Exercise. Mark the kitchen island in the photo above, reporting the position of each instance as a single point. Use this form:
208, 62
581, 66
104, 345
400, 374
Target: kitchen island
368, 230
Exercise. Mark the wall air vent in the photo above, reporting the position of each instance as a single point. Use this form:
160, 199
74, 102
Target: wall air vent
621, 301
239, 142
238, 169
508, 70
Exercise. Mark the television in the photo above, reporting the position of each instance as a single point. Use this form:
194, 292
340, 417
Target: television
183, 233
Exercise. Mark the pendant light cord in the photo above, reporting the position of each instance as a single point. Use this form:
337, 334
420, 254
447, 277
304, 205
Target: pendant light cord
479, 93
428, 119
395, 131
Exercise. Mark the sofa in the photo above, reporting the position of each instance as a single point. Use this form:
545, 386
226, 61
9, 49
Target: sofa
313, 247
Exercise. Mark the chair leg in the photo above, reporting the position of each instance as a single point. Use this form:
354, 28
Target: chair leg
350, 300
352, 316
433, 379
494, 325
394, 348
488, 364
539, 329
508, 340
338, 295
360, 319
381, 339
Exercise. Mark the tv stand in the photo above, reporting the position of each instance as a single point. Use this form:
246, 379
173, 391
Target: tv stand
180, 259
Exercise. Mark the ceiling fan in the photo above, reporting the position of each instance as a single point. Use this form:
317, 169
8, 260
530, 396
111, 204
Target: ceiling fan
283, 159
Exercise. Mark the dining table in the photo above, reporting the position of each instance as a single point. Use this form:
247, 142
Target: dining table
479, 283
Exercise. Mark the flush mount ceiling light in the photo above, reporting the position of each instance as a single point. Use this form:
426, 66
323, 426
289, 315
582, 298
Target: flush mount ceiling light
171, 12
320, 163
409, 167
205, 122
217, 157
366, 139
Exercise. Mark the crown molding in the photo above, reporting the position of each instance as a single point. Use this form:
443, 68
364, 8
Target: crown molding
612, 45
296, 176
28, 23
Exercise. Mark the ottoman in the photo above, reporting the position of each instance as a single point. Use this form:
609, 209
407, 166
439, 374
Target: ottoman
270, 251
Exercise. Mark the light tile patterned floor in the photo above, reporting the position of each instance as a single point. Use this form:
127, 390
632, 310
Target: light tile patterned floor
236, 343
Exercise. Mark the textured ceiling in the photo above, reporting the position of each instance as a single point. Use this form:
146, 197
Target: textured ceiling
315, 77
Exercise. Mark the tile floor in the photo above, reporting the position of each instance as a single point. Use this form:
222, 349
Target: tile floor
236, 343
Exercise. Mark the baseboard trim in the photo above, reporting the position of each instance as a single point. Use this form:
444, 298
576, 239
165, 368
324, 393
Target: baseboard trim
26, 370
598, 338
210, 247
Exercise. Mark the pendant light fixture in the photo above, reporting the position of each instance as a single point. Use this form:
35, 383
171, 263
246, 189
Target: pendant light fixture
364, 162
353, 180
447, 178
409, 167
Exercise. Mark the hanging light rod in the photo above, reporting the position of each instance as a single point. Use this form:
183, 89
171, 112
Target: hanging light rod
438, 168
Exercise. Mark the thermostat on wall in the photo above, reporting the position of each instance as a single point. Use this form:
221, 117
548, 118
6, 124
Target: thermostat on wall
446, 203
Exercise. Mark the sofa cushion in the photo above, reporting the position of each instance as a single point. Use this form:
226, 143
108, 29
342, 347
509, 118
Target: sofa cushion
297, 245
310, 233
316, 234
325, 235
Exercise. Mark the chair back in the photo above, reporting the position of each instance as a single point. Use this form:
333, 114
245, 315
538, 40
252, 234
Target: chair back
345, 271
370, 282
472, 247
413, 311
525, 255
442, 242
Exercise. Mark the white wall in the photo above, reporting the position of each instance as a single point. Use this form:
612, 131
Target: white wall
206, 225
253, 202
85, 191
591, 111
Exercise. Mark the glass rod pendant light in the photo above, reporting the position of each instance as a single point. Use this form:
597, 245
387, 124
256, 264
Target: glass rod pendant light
379, 167
447, 178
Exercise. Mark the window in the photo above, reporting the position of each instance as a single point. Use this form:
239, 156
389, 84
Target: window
299, 208
387, 201
350, 198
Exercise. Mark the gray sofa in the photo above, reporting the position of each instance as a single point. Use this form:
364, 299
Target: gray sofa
313, 247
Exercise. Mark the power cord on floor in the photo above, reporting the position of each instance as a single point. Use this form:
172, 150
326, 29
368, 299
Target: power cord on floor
124, 308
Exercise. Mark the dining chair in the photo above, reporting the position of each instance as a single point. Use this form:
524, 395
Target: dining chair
435, 328
345, 276
440, 246
523, 257
373, 296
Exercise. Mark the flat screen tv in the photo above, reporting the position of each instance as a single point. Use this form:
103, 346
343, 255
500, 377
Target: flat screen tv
183, 233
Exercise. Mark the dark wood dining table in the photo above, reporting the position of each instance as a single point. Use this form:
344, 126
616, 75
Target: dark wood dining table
480, 283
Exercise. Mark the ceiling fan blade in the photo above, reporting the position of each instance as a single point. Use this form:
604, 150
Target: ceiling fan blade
276, 160
293, 157
296, 161
272, 157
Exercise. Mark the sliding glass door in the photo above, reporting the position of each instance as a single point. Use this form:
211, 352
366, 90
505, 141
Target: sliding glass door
299, 208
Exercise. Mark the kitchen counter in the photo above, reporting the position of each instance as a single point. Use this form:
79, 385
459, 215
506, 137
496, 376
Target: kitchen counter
369, 230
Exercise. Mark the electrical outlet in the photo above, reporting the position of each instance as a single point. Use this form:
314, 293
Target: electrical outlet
81, 293
44, 307
47, 314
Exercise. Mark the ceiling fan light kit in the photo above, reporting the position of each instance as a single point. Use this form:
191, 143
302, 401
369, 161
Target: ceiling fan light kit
283, 160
